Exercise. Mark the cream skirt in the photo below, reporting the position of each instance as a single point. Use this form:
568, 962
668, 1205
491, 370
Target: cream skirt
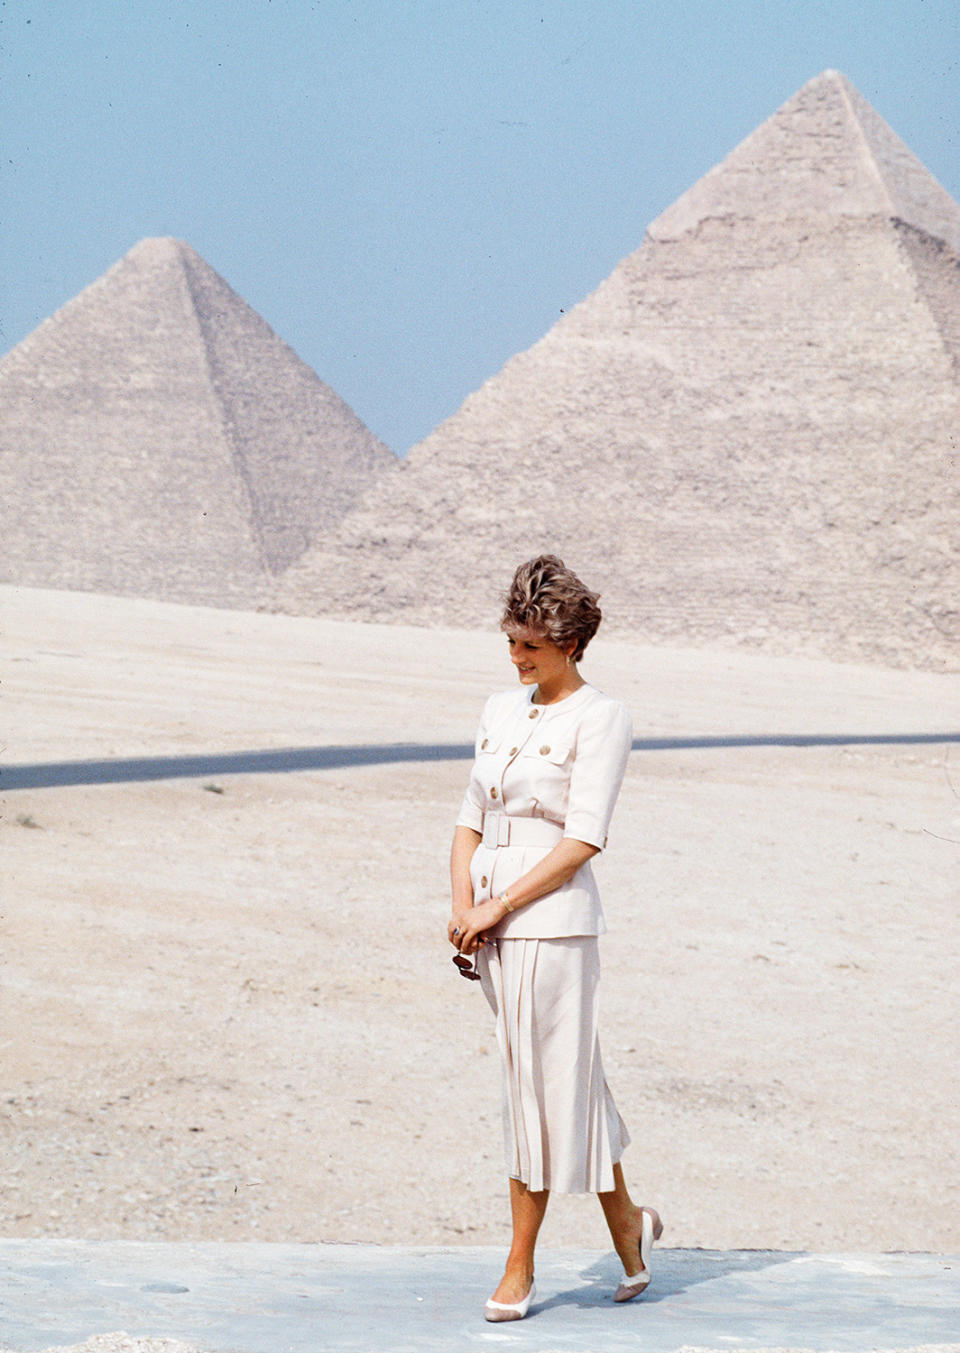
561, 1127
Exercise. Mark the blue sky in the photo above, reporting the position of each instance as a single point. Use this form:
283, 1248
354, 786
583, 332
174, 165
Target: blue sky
410, 191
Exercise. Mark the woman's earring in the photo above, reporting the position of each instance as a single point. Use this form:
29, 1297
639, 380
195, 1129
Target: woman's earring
568, 659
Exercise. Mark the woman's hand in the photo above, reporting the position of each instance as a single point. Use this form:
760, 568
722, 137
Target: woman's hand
466, 927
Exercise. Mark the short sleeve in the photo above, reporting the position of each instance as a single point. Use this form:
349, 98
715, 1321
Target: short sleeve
471, 809
603, 744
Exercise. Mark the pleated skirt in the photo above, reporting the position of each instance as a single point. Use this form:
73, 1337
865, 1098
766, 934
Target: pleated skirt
561, 1127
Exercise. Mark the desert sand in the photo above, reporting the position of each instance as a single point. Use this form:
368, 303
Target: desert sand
229, 1007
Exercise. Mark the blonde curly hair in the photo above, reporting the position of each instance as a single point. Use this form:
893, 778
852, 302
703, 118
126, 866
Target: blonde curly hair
547, 596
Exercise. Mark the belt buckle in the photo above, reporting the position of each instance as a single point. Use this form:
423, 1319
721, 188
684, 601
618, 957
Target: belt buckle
490, 821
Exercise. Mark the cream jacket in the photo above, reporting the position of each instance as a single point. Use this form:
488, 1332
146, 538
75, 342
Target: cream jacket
563, 763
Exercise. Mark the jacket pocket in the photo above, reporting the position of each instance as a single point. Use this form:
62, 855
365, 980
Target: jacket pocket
552, 753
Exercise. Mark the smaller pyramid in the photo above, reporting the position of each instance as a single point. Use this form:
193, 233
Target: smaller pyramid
158, 439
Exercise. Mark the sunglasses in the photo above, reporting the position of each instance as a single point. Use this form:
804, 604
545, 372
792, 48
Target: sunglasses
466, 967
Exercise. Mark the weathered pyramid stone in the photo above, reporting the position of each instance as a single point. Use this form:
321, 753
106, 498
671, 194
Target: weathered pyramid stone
158, 439
747, 435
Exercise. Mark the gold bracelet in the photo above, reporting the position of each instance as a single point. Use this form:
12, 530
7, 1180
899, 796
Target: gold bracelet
506, 902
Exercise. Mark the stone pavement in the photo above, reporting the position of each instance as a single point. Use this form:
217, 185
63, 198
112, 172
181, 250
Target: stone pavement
276, 1298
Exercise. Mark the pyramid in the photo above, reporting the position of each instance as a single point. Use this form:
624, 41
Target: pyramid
159, 440
747, 435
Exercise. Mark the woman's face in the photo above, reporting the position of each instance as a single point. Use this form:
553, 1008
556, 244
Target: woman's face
538, 661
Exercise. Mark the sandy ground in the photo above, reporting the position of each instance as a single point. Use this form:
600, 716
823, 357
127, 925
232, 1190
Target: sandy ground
229, 1010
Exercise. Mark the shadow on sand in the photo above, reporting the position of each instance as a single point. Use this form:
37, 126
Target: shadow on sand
273, 761
674, 1271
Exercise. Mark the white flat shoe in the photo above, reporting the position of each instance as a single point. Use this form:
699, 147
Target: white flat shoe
505, 1310
651, 1229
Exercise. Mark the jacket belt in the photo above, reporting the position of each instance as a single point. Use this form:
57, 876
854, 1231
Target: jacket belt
501, 830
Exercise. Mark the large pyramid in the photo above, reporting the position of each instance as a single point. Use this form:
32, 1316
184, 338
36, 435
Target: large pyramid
158, 439
747, 435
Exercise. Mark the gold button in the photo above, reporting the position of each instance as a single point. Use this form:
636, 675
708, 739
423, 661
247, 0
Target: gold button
493, 791
513, 751
483, 744
533, 714
544, 751
483, 881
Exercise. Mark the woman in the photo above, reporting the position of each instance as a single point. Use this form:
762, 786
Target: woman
549, 764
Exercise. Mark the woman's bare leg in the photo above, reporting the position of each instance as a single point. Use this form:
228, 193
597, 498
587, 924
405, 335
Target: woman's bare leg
623, 1219
527, 1210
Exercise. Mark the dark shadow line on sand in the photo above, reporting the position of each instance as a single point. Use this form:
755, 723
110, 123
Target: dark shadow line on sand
273, 761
